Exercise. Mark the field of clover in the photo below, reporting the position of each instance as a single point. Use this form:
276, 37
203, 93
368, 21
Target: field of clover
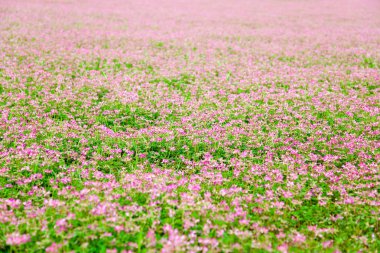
189, 126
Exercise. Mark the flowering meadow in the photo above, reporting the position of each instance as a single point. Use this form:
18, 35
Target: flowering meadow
189, 126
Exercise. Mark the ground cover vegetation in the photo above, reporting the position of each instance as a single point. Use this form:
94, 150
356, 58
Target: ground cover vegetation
189, 126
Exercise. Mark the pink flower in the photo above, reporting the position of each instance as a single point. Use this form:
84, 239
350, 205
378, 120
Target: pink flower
287, 194
283, 248
128, 97
13, 203
17, 239
220, 233
299, 238
151, 237
278, 204
61, 225
53, 248
349, 200
327, 244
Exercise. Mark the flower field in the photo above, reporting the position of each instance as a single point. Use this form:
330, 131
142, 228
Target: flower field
189, 126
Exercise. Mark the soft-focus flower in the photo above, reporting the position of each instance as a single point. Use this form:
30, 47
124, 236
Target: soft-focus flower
17, 239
